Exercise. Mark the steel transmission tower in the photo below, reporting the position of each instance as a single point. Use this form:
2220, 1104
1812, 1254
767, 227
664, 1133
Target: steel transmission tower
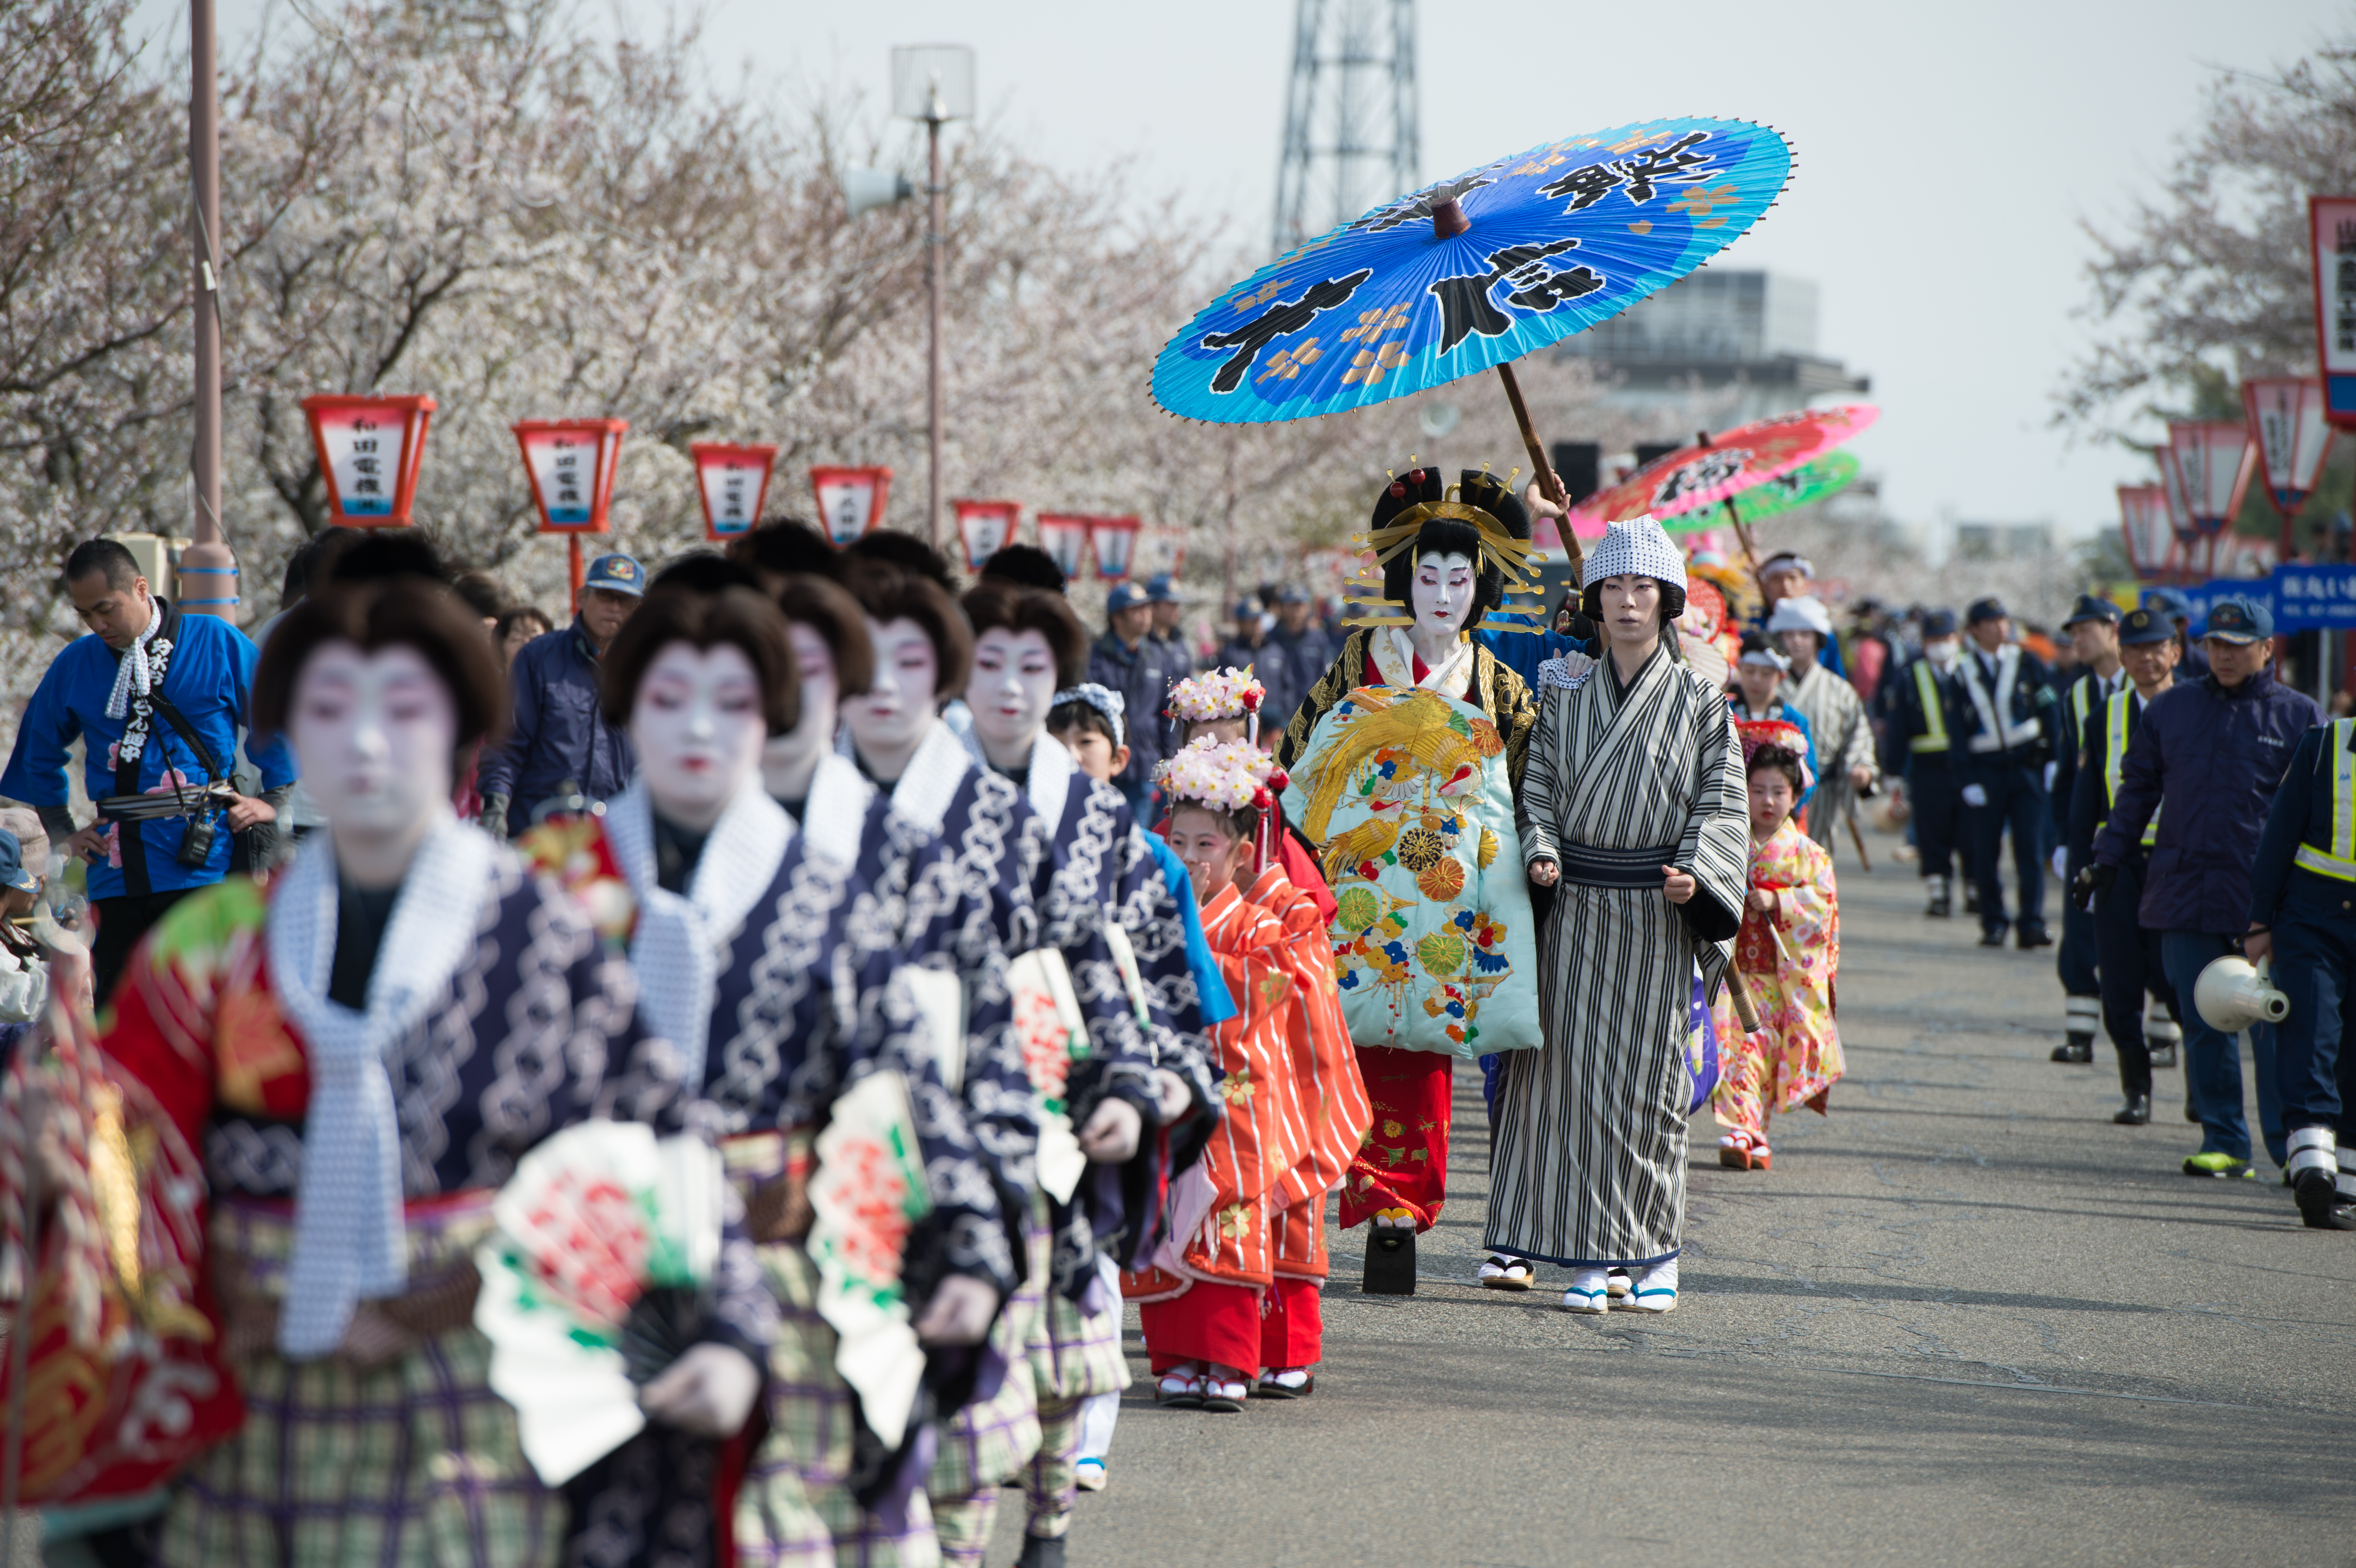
1349, 117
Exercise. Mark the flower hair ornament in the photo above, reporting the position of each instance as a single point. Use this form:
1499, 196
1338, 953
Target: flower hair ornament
1777, 735
1105, 700
1227, 777
1218, 694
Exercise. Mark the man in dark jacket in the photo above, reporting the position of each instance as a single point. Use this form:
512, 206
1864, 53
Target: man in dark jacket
1928, 721
1166, 633
560, 737
1126, 660
1292, 660
2217, 748
2012, 703
2093, 628
1242, 650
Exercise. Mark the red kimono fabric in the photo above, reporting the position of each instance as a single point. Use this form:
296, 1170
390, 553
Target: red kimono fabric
1283, 1328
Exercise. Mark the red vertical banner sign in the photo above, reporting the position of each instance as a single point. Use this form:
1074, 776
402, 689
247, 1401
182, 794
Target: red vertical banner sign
368, 451
2332, 224
1114, 541
733, 483
851, 501
985, 527
1066, 537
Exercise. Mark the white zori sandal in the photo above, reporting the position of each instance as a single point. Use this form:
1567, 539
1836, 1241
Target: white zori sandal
1656, 1288
1502, 1273
1587, 1293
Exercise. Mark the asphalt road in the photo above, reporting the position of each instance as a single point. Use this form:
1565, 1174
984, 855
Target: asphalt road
1965, 1320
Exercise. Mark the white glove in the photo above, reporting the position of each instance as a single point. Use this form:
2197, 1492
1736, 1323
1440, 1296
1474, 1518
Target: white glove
1110, 1137
709, 1391
1177, 1096
1575, 664
1975, 795
959, 1312
23, 989
2050, 768
2060, 858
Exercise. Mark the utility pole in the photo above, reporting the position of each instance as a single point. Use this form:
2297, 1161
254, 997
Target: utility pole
936, 238
207, 569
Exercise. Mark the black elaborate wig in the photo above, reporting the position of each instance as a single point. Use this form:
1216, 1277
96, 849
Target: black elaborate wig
1450, 535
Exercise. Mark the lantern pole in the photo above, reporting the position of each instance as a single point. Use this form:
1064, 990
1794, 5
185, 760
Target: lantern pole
936, 193
208, 557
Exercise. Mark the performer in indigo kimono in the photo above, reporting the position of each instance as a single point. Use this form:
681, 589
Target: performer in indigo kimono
956, 859
768, 967
313, 1092
1634, 811
1106, 908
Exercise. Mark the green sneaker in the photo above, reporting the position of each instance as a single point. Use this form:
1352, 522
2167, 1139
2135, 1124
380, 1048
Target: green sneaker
2210, 1163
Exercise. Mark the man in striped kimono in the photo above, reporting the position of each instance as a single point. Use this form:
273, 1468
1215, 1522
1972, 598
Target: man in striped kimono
1634, 809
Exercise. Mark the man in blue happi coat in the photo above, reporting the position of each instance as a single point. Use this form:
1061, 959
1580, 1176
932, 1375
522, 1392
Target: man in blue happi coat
155, 697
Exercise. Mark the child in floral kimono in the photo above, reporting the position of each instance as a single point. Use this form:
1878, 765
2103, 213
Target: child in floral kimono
1787, 953
1234, 1286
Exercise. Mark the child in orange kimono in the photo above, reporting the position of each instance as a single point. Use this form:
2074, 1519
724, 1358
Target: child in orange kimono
1229, 1301
1787, 953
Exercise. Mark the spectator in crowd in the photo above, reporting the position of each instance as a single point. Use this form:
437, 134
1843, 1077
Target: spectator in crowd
482, 595
559, 741
1293, 659
24, 860
519, 625
1126, 660
1931, 720
2217, 748
2012, 708
2191, 663
155, 697
1169, 608
1241, 650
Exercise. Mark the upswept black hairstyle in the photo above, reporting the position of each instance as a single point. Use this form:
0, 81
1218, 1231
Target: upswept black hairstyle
1450, 535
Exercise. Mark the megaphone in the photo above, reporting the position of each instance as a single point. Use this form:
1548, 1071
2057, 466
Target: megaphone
866, 189
2232, 994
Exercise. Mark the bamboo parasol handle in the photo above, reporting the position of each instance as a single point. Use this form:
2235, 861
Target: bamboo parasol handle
1549, 482
1741, 996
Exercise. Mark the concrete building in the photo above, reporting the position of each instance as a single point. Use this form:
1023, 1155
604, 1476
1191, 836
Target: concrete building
1716, 329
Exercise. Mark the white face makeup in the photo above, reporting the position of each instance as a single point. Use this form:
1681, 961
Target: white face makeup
373, 735
1012, 688
899, 707
1632, 609
1442, 593
813, 732
698, 728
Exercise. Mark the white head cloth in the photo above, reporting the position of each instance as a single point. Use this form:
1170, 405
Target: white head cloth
1800, 613
1635, 546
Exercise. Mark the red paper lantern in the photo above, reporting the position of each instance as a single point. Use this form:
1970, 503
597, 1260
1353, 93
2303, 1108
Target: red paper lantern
985, 527
570, 464
1065, 537
2286, 424
368, 450
1115, 541
2150, 539
2331, 224
733, 483
851, 501
2209, 462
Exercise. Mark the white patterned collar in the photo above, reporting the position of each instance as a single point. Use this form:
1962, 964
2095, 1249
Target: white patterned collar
1049, 785
676, 948
930, 780
834, 814
349, 1239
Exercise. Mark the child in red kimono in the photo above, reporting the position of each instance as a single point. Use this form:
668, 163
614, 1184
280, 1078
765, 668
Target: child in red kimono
1787, 953
1230, 1299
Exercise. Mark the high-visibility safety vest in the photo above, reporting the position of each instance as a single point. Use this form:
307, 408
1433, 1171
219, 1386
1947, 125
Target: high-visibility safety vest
2080, 706
1935, 713
2340, 860
2000, 732
2114, 754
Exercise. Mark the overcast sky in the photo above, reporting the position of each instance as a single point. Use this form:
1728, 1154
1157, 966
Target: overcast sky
1947, 155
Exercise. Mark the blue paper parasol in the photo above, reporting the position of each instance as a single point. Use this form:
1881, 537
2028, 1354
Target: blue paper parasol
1473, 272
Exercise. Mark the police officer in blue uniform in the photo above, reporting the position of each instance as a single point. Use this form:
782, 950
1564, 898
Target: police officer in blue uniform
2093, 629
2012, 703
2302, 917
2127, 954
1931, 719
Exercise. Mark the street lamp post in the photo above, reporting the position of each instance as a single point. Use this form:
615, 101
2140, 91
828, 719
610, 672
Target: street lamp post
207, 559
933, 83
